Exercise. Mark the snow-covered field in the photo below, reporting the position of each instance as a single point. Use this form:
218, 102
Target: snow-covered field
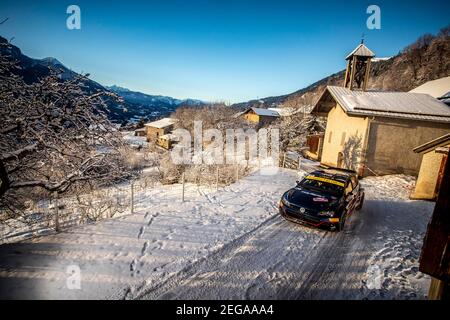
229, 244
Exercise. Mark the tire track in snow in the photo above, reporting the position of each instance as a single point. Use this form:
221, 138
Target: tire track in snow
277, 260
205, 279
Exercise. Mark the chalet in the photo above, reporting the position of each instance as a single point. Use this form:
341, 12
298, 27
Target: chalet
434, 157
159, 128
374, 132
260, 116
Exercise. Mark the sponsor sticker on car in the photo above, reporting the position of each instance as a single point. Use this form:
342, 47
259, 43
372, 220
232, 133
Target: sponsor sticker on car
338, 183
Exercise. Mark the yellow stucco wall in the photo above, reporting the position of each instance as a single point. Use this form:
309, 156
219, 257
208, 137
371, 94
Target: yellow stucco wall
428, 175
391, 144
252, 117
343, 130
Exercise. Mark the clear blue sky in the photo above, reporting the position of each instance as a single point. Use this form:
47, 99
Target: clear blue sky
214, 50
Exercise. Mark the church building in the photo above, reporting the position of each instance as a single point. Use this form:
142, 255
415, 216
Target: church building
374, 132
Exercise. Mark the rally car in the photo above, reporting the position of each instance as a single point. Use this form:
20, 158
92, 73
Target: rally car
324, 198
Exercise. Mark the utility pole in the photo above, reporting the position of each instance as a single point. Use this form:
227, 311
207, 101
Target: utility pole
132, 197
217, 178
183, 182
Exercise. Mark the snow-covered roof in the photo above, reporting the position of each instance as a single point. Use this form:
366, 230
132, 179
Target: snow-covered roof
439, 88
264, 112
286, 112
165, 122
381, 59
407, 105
361, 51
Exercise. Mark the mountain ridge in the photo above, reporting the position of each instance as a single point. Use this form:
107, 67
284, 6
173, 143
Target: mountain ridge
135, 106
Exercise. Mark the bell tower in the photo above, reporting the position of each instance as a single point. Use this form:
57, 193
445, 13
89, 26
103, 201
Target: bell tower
358, 68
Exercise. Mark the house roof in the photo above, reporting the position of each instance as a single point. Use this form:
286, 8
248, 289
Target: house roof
404, 105
433, 144
439, 88
264, 112
165, 122
287, 111
361, 51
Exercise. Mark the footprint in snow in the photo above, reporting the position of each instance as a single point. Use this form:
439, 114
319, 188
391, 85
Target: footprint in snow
144, 248
141, 232
133, 265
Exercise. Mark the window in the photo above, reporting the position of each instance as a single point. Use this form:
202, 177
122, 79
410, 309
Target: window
330, 136
343, 138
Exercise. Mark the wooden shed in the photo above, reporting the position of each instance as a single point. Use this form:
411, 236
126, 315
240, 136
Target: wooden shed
260, 116
314, 143
434, 157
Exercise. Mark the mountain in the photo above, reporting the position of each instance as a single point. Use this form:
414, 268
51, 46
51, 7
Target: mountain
149, 107
135, 105
423, 61
151, 100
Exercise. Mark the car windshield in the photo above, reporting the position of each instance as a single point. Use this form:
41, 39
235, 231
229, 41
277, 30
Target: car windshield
322, 186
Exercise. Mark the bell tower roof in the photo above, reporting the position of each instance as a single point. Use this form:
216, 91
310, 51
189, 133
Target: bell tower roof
361, 51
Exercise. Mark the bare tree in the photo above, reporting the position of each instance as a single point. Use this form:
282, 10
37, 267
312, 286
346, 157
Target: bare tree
53, 135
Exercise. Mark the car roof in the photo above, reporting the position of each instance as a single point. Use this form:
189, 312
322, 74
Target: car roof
334, 174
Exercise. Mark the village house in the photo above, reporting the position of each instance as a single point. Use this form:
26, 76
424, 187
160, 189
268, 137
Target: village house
434, 157
375, 132
141, 132
260, 116
159, 128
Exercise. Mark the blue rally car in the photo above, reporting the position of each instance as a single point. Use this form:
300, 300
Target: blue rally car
324, 198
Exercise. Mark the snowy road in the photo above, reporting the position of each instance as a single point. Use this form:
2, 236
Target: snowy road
280, 260
229, 244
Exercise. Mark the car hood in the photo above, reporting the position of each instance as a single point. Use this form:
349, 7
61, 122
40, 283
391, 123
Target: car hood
311, 200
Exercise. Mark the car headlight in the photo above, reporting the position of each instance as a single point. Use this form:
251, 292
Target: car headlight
285, 202
327, 213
